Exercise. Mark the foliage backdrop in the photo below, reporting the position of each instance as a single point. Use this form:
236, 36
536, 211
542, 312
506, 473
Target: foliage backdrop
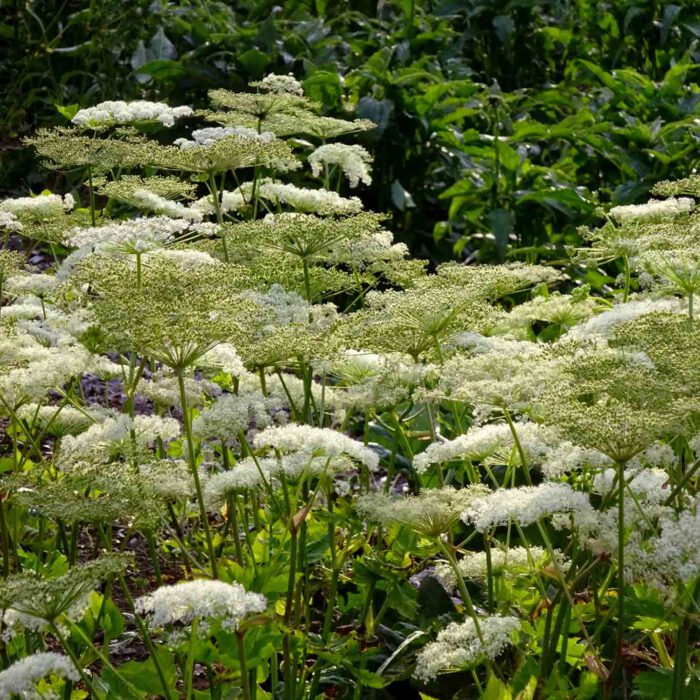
498, 120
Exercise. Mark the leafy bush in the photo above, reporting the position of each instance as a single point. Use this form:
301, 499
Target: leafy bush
253, 449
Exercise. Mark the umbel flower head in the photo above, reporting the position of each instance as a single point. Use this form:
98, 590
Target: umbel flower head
504, 563
353, 161
431, 513
614, 401
124, 189
207, 602
315, 442
119, 112
35, 602
178, 314
246, 474
459, 646
20, 680
259, 107
524, 505
65, 148
229, 153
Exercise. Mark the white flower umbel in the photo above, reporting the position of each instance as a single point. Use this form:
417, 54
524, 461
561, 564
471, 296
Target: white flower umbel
504, 562
43, 369
280, 84
458, 646
206, 601
39, 285
353, 160
42, 207
648, 485
20, 679
131, 236
432, 512
120, 112
675, 552
604, 325
114, 436
211, 134
319, 201
244, 475
230, 201
317, 442
232, 413
224, 357
526, 505
654, 211
150, 201
9, 221
480, 443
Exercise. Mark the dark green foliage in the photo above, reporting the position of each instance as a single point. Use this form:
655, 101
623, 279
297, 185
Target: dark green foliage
497, 118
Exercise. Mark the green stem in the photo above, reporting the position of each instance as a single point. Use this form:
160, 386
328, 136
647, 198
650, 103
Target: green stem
138, 271
4, 539
150, 541
680, 666
195, 473
690, 310
148, 642
518, 445
76, 661
464, 593
330, 603
287, 643
217, 210
307, 280
620, 561
628, 274
689, 474
489, 571
233, 516
189, 663
245, 680
92, 196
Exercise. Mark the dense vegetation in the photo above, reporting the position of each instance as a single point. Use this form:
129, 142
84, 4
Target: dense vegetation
502, 124
259, 442
252, 448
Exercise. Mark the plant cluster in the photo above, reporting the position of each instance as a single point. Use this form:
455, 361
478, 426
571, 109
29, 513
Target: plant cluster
341, 475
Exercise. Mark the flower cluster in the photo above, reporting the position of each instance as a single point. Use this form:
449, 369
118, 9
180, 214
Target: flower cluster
460, 645
120, 112
202, 602
353, 161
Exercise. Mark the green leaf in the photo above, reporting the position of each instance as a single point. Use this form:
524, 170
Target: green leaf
112, 621
502, 222
654, 685
369, 679
143, 675
378, 111
567, 201
496, 690
68, 111
255, 62
504, 27
401, 197
674, 79
161, 69
324, 86
160, 47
